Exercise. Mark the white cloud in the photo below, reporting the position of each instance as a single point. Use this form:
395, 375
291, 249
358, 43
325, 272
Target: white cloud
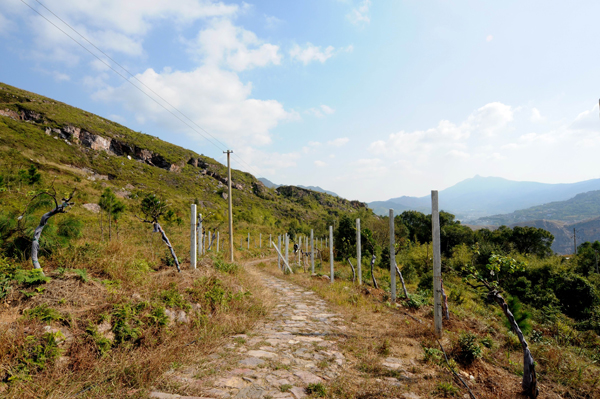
226, 45
489, 38
216, 99
339, 141
311, 53
491, 119
536, 116
320, 164
326, 109
113, 25
485, 122
60, 77
272, 22
458, 154
360, 15
266, 163
321, 111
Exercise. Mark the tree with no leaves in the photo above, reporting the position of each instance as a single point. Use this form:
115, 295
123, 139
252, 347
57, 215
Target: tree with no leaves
153, 208
62, 208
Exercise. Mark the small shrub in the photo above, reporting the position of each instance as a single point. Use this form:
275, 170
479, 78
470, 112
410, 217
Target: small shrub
467, 349
446, 389
285, 387
30, 278
415, 301
173, 298
384, 348
103, 344
317, 389
225, 267
43, 313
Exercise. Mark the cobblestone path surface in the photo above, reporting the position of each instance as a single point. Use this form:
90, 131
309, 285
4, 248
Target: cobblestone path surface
294, 346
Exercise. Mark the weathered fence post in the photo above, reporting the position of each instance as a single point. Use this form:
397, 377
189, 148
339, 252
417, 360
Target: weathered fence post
358, 254
437, 264
331, 251
248, 240
326, 244
200, 234
270, 242
279, 253
260, 241
193, 249
287, 245
392, 259
217, 242
241, 243
312, 252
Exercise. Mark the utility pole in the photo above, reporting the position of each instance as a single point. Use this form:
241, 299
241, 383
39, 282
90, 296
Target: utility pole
228, 152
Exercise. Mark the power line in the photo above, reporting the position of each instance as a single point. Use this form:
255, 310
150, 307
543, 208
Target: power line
130, 82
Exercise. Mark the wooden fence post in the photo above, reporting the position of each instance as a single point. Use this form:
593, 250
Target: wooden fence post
217, 241
437, 264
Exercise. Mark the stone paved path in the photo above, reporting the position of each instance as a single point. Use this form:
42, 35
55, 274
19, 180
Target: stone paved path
296, 345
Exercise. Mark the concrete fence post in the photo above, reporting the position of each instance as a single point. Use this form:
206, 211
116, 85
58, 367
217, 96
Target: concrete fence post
287, 245
437, 264
358, 254
279, 253
331, 251
392, 258
200, 235
312, 252
193, 249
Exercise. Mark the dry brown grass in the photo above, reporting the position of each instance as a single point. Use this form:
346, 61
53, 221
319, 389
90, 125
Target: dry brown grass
377, 330
128, 271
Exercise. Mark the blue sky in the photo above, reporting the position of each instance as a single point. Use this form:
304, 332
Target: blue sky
370, 99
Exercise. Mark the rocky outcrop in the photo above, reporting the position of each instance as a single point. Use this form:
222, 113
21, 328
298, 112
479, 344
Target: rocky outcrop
114, 146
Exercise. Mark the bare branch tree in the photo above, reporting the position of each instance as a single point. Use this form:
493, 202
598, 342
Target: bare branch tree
62, 208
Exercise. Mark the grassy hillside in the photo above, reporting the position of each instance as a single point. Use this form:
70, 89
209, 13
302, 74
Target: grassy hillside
111, 316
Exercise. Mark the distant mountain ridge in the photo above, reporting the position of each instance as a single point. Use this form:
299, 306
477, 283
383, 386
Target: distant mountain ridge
270, 184
581, 207
478, 197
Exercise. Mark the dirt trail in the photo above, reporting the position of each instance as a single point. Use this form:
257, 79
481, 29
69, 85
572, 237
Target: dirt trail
294, 346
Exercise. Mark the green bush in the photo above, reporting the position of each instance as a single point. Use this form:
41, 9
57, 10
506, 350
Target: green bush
44, 313
467, 350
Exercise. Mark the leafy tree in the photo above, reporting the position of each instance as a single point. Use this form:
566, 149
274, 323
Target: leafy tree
345, 238
532, 240
587, 258
113, 207
153, 208
30, 176
490, 278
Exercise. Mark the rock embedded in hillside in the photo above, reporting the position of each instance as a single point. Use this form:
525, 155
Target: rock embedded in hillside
92, 207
